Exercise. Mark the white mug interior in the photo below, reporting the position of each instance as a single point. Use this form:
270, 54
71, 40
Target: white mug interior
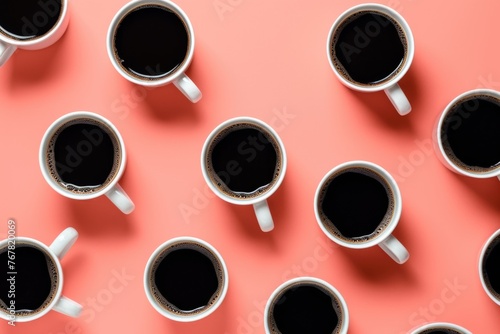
395, 16
441, 325
205, 153
45, 40
155, 303
44, 148
493, 238
327, 286
438, 140
386, 233
58, 291
124, 11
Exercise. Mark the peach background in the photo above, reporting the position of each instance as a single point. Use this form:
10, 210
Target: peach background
263, 59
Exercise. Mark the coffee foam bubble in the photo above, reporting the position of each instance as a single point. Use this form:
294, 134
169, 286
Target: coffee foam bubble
217, 181
51, 163
337, 305
54, 281
163, 302
453, 111
338, 64
330, 226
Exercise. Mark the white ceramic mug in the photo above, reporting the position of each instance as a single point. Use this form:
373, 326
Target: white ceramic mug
439, 140
178, 76
390, 87
343, 317
493, 241
259, 201
111, 189
441, 326
184, 243
9, 44
56, 252
383, 239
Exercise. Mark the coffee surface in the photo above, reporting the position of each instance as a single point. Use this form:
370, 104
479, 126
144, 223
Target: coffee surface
305, 308
244, 161
35, 280
491, 269
83, 156
28, 19
357, 204
151, 42
369, 48
471, 133
188, 280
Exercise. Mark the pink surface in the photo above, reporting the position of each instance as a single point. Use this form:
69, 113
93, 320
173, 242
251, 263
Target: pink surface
264, 59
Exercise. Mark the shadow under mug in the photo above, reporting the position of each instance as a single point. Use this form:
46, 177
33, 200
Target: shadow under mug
174, 75
39, 16
382, 235
77, 151
284, 302
53, 254
440, 327
245, 153
363, 38
453, 118
186, 279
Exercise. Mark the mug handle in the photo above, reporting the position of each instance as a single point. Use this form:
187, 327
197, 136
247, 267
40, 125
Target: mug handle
68, 307
188, 88
61, 245
6, 50
398, 99
120, 198
264, 216
395, 249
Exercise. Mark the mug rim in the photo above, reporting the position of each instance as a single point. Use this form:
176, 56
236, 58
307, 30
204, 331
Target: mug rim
158, 251
58, 291
41, 39
50, 132
398, 203
491, 238
394, 15
437, 133
125, 10
436, 325
204, 154
308, 279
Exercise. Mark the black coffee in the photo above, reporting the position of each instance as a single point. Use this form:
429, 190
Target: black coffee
244, 161
151, 42
471, 133
305, 308
35, 281
491, 269
440, 331
83, 156
356, 204
369, 48
28, 19
187, 279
